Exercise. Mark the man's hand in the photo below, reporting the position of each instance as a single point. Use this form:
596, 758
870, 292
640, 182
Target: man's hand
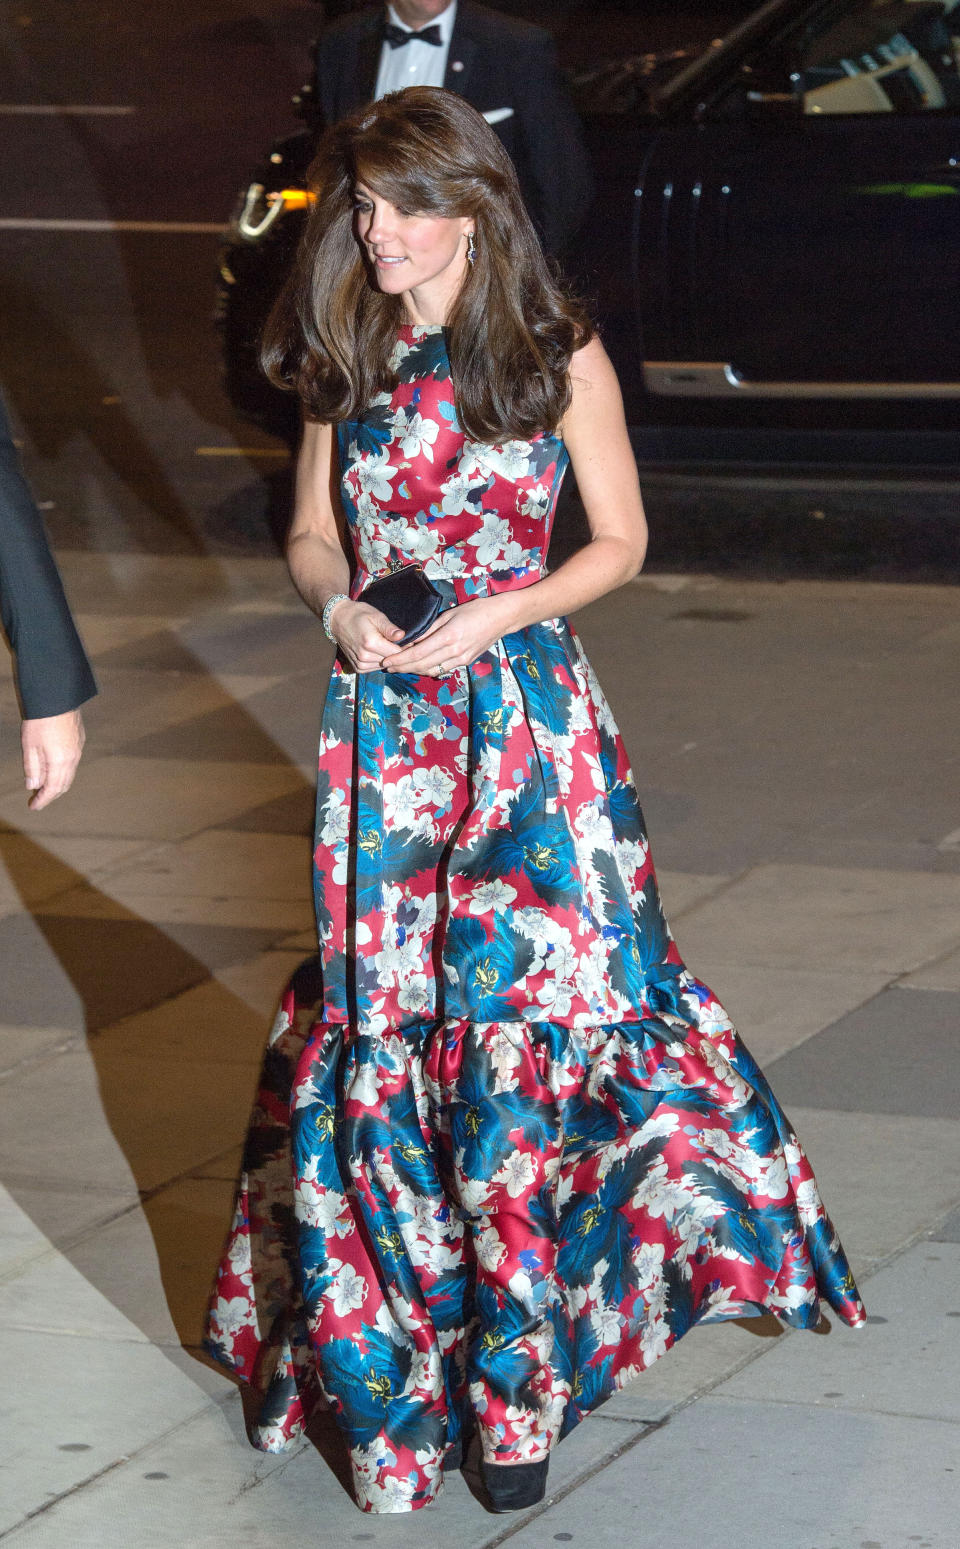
51, 745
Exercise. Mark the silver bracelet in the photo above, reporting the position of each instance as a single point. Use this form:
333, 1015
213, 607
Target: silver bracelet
327, 614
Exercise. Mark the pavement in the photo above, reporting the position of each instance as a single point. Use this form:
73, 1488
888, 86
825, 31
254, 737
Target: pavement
796, 745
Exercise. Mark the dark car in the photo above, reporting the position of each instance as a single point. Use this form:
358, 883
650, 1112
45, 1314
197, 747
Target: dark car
774, 254
791, 261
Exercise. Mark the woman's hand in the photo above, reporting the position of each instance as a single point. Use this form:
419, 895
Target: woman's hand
364, 634
457, 638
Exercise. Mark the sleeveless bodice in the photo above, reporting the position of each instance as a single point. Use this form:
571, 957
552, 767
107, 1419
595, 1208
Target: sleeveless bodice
417, 490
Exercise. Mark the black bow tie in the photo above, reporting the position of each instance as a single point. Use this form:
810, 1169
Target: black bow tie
398, 36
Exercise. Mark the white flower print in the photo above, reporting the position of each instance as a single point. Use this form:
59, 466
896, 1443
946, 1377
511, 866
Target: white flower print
456, 494
348, 1290
446, 566
506, 1057
335, 821
653, 1340
490, 1248
648, 1263
809, 1206
534, 502
374, 553
390, 1492
515, 557
434, 785
720, 1142
521, 1289
518, 1173
415, 434
607, 1324
400, 802
495, 896
306, 1202
491, 539
414, 996
594, 826
423, 546
556, 998
372, 472
474, 1193
365, 1086
511, 461
578, 716
231, 1314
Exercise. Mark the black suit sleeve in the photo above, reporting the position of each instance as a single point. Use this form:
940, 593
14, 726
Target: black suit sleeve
555, 166
53, 674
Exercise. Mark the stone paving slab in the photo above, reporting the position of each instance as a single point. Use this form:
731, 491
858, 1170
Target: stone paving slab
134, 704
271, 916
220, 864
290, 814
701, 1359
31, 873
156, 798
24, 1044
885, 1178
777, 1008
83, 984
816, 917
941, 975
126, 1118
891, 1055
210, 1021
768, 1476
156, 1262
41, 993
63, 1210
949, 1230
130, 1394
209, 1500
906, 1361
82, 1384
680, 890
103, 632
171, 585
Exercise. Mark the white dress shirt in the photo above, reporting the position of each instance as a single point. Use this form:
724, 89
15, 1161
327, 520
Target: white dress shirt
415, 64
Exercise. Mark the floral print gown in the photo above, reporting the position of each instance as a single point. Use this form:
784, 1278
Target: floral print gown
507, 1149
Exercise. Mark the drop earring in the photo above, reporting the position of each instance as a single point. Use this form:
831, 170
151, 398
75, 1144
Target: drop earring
471, 249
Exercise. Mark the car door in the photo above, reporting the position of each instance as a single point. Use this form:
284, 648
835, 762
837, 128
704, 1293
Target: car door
799, 234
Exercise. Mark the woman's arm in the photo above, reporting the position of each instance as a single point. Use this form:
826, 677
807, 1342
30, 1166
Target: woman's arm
317, 559
595, 433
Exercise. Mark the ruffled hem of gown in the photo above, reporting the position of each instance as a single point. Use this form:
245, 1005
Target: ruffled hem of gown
680, 1194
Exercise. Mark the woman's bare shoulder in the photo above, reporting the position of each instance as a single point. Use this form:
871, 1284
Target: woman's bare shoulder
591, 364
594, 388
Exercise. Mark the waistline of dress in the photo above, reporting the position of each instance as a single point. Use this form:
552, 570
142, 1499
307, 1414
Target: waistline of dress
463, 588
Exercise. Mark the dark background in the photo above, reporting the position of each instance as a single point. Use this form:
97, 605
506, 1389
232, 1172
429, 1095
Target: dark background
108, 354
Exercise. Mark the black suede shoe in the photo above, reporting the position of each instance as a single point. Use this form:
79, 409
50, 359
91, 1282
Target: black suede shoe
453, 1457
513, 1486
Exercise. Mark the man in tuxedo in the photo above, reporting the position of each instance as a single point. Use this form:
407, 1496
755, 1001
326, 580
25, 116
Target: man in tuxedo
52, 671
505, 68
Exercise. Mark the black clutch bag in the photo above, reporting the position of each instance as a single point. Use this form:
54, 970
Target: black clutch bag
407, 598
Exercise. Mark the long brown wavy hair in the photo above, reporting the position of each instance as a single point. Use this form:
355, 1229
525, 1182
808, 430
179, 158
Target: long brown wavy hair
512, 329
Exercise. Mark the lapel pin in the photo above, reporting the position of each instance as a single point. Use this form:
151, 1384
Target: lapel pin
456, 64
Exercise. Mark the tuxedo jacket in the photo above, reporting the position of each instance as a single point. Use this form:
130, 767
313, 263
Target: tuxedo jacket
494, 63
52, 671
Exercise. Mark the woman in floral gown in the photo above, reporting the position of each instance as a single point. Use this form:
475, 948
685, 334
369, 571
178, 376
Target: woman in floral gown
507, 1148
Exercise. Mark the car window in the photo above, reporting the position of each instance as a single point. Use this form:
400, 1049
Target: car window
883, 56
871, 56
